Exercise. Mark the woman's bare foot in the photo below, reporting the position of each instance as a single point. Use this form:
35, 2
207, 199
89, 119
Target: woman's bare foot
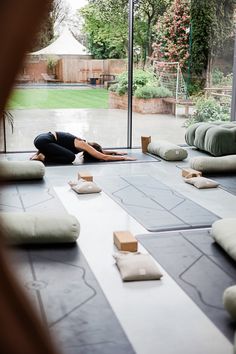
38, 157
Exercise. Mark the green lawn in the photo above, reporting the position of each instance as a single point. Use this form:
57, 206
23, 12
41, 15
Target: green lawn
58, 98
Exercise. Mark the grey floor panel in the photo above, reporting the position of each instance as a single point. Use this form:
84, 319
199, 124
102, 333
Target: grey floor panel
200, 267
70, 300
155, 205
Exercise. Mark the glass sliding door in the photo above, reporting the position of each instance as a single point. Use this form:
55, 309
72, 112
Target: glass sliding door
160, 82
69, 80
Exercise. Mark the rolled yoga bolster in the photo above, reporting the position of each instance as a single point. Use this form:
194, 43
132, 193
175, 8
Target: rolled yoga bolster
39, 228
21, 170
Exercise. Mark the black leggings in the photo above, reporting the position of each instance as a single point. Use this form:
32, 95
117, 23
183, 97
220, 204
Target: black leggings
47, 144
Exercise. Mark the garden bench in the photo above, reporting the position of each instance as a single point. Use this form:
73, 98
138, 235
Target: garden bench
218, 91
107, 80
173, 102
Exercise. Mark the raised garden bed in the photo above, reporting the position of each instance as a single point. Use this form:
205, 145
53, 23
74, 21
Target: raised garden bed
140, 105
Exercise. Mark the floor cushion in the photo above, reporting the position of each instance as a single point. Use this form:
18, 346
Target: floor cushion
39, 228
21, 170
85, 187
202, 182
167, 150
217, 138
229, 301
210, 164
137, 266
224, 233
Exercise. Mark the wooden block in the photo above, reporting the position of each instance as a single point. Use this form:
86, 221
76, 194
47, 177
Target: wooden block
190, 172
125, 241
145, 140
85, 175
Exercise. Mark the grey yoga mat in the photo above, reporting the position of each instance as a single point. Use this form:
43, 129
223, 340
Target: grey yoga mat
200, 267
70, 300
155, 205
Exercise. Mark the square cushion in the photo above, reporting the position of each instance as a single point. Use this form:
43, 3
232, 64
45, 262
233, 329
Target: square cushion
85, 187
201, 182
217, 138
137, 266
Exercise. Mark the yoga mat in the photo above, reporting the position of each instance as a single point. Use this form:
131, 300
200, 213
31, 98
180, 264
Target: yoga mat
70, 300
200, 267
227, 182
155, 205
60, 282
140, 158
138, 155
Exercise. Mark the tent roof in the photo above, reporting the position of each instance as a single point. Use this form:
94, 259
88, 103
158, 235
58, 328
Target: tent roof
65, 44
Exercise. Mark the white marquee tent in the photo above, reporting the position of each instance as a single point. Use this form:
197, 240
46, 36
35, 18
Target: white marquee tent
65, 44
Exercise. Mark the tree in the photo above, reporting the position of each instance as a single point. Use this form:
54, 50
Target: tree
106, 26
172, 34
147, 14
57, 13
212, 24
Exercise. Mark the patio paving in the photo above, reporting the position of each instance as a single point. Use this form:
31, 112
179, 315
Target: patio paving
106, 126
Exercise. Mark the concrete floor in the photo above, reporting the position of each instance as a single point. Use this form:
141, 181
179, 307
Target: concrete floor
106, 126
158, 317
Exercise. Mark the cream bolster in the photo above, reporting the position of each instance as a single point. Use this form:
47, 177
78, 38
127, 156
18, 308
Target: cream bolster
32, 228
167, 151
229, 300
214, 164
223, 231
21, 170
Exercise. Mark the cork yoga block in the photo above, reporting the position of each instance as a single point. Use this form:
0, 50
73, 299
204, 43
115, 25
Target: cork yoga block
125, 241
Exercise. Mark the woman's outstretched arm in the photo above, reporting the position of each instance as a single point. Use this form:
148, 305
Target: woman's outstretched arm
99, 155
111, 152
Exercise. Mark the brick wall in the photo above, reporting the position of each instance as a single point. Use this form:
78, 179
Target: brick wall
140, 105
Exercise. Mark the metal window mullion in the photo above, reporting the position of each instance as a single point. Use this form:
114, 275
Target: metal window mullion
233, 102
130, 74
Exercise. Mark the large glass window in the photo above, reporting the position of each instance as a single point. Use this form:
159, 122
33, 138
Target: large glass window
64, 83
76, 77
183, 66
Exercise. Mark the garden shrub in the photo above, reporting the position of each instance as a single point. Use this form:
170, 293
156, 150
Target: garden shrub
208, 110
217, 76
140, 79
152, 92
